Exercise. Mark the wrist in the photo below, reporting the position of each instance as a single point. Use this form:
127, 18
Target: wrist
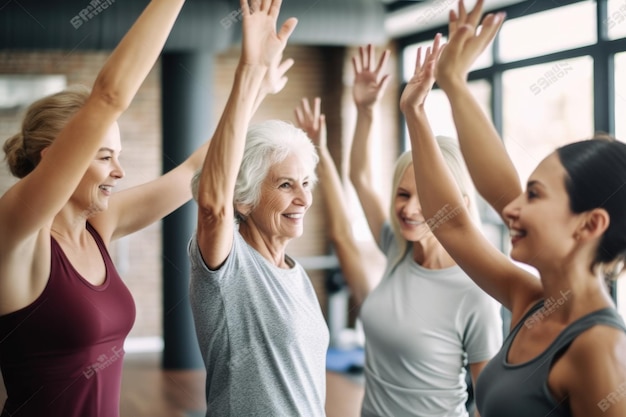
322, 151
365, 109
452, 84
245, 68
417, 112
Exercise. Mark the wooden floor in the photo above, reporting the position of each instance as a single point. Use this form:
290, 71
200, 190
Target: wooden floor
148, 391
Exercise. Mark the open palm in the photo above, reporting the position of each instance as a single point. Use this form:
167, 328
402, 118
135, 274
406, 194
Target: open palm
418, 87
369, 79
261, 42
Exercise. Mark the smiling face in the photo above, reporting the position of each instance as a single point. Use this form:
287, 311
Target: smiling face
542, 226
96, 186
286, 195
408, 209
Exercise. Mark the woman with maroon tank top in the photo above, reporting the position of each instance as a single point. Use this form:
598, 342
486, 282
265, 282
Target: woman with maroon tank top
64, 311
566, 352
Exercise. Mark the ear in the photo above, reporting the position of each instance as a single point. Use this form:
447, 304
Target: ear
243, 210
595, 222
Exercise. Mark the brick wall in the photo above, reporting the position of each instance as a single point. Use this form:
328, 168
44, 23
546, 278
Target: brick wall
323, 72
137, 256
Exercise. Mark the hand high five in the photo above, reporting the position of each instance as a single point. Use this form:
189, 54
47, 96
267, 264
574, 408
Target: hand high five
466, 42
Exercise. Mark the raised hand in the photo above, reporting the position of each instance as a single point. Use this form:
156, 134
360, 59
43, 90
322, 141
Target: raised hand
312, 121
275, 78
418, 87
261, 42
466, 43
369, 79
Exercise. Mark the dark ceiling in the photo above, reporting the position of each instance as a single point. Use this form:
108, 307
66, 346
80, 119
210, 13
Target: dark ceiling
209, 25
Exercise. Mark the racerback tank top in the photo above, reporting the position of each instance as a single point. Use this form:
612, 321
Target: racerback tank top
61, 356
521, 390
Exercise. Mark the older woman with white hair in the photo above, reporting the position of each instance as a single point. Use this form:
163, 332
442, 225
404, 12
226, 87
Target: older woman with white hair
259, 324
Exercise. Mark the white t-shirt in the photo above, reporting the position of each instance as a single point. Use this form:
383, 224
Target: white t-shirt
422, 327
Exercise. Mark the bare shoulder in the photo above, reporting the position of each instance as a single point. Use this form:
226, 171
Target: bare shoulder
600, 343
592, 372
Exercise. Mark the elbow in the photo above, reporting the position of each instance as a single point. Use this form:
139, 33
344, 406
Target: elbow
211, 215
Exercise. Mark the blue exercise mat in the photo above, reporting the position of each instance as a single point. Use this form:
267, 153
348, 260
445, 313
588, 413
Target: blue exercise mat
345, 360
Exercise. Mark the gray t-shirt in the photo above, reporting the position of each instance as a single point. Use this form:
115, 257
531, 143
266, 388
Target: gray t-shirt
422, 326
262, 336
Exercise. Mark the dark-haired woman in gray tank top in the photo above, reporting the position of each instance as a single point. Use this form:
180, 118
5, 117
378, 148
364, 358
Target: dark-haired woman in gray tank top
566, 353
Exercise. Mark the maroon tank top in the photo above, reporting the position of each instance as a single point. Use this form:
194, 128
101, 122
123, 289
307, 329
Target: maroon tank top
61, 356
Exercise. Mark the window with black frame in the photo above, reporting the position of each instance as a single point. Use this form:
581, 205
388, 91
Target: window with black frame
544, 84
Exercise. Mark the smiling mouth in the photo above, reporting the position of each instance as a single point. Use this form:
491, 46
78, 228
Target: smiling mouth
107, 188
414, 222
294, 216
516, 235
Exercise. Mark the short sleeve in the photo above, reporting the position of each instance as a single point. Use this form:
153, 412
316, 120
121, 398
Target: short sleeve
482, 337
386, 238
199, 267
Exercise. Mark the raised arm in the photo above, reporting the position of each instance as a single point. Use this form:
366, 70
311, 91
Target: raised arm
33, 202
442, 202
337, 214
481, 145
369, 85
261, 44
165, 194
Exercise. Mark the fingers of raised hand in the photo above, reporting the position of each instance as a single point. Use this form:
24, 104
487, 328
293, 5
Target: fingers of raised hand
490, 26
245, 8
473, 17
418, 61
299, 117
285, 65
453, 23
370, 57
308, 118
462, 17
382, 62
306, 107
265, 6
287, 29
273, 7
317, 104
363, 59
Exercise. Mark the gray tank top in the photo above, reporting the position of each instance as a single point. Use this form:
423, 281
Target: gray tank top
521, 390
